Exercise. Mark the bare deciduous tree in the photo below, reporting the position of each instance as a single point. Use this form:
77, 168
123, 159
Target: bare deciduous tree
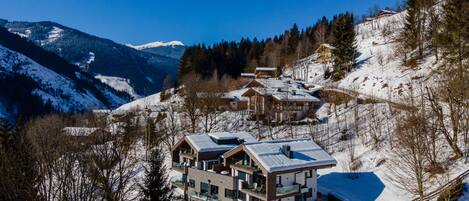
191, 100
409, 164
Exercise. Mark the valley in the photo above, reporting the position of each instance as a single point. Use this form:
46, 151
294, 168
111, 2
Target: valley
349, 109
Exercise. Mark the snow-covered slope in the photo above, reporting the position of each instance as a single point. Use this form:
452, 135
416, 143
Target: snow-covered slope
173, 49
102, 56
142, 103
380, 72
60, 91
156, 44
119, 84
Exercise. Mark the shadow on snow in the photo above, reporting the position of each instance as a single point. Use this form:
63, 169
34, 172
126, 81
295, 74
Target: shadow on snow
365, 186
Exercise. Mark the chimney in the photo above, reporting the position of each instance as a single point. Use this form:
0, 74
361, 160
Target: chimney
286, 150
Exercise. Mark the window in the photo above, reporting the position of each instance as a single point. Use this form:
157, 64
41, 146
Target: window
242, 175
309, 174
214, 190
230, 193
204, 188
191, 183
210, 164
300, 197
279, 180
241, 196
310, 193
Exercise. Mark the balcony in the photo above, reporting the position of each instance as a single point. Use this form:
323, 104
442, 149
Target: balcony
287, 190
204, 197
245, 168
254, 190
187, 155
179, 167
178, 181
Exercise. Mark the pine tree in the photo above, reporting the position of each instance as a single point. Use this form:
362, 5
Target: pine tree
156, 186
433, 31
412, 33
344, 51
454, 39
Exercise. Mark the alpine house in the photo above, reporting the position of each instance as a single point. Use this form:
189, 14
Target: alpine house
235, 166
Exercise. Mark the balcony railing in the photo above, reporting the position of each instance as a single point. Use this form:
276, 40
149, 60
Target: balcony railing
187, 155
285, 190
180, 167
204, 197
254, 189
178, 181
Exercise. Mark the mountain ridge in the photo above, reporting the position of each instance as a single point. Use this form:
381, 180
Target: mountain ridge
108, 57
36, 81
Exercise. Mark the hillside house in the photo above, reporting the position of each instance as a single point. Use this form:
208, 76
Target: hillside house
234, 101
235, 166
324, 53
281, 103
266, 72
248, 76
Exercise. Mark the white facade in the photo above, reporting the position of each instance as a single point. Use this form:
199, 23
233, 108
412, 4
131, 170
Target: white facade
306, 179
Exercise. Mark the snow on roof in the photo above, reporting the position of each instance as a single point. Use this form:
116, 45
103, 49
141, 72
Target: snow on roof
276, 83
265, 69
263, 91
79, 131
327, 46
236, 94
248, 75
384, 11
204, 142
294, 96
306, 153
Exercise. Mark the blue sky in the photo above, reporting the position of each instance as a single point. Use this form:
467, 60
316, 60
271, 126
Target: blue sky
195, 21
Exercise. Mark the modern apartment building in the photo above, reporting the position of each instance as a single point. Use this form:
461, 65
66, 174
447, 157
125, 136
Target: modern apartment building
235, 166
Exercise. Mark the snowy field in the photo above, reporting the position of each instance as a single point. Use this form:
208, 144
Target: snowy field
379, 72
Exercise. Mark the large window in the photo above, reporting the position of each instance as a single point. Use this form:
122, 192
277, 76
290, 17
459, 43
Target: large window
191, 183
241, 196
204, 187
300, 197
279, 180
230, 193
242, 176
214, 190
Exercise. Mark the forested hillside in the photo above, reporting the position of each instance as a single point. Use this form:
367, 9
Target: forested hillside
281, 51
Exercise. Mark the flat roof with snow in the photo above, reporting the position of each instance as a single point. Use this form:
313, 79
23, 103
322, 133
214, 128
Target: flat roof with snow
305, 154
295, 96
276, 83
219, 141
248, 75
236, 94
265, 69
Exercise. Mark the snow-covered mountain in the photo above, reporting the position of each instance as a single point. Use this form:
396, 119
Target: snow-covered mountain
145, 70
34, 81
156, 44
173, 49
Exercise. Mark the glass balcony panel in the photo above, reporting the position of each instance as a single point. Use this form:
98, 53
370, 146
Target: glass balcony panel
295, 188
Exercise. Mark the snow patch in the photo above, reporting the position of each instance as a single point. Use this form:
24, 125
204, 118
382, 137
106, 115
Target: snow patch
26, 34
156, 44
52, 36
85, 63
118, 83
